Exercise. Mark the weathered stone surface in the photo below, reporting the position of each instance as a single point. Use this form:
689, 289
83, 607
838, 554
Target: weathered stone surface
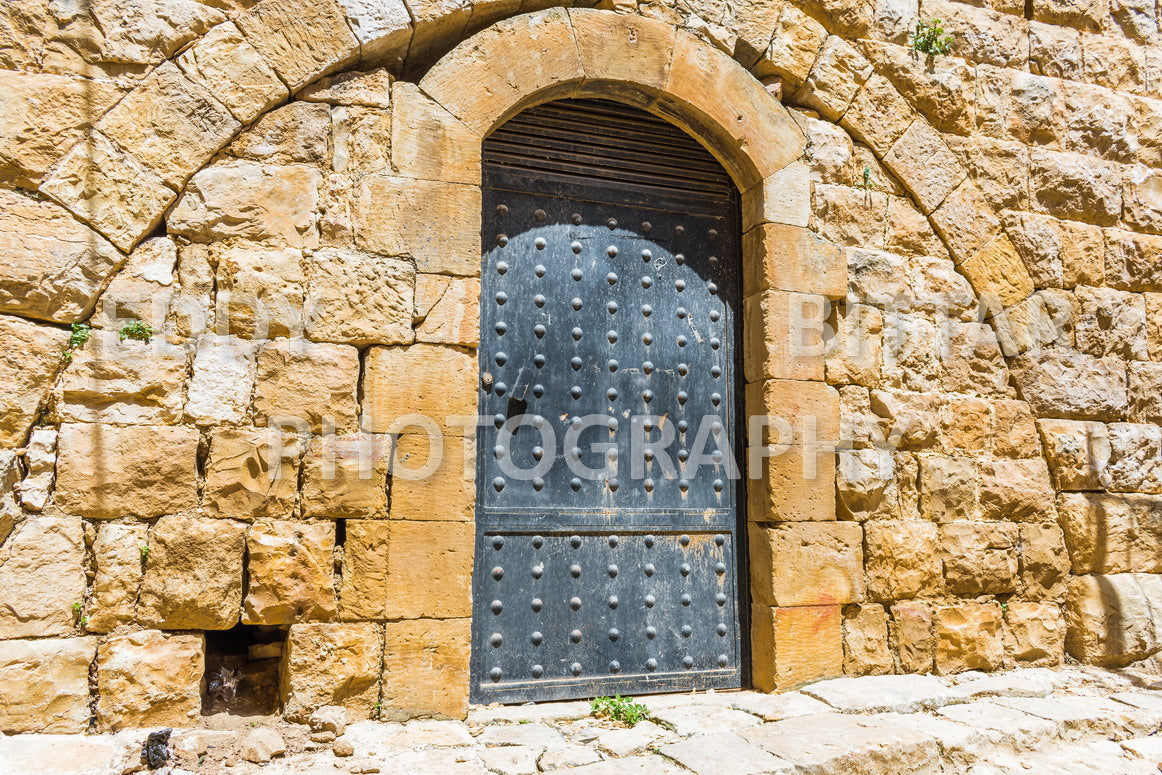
901, 559
121, 382
925, 165
1145, 387
143, 289
833, 742
300, 40
149, 31
1131, 260
361, 139
786, 342
865, 640
797, 484
45, 116
433, 477
889, 693
969, 637
997, 273
432, 222
253, 201
1078, 453
1075, 187
363, 594
1036, 633
307, 384
106, 471
193, 574
1044, 562
1135, 458
29, 355
55, 265
949, 488
807, 564
835, 77
346, 476
289, 572
297, 132
791, 646
1111, 322
447, 310
119, 552
357, 298
261, 745
171, 124
331, 664
913, 636
222, 382
41, 578
441, 554
436, 382
1142, 198
1016, 490
707, 753
234, 72
149, 678
1072, 385
425, 669
794, 45
980, 558
369, 89
40, 466
1109, 533
252, 473
260, 292
1110, 618
45, 684
428, 142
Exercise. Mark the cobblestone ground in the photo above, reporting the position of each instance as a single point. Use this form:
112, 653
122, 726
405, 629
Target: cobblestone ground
1042, 721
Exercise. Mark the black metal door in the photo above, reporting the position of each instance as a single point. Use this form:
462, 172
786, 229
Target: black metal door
607, 544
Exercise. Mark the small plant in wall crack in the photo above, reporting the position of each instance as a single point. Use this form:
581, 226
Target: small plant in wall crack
620, 709
930, 39
135, 329
78, 337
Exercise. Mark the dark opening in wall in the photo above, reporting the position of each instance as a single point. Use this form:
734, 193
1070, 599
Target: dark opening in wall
242, 670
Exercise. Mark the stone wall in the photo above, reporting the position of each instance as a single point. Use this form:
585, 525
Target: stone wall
309, 266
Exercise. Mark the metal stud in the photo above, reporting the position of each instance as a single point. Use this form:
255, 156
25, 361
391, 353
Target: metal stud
575, 571
651, 664
501, 267
539, 214
721, 629
497, 607
686, 600
651, 632
611, 335
647, 255
649, 569
539, 300
575, 484
539, 331
647, 310
611, 278
575, 603
502, 209
687, 662
684, 569
537, 639
647, 338
680, 286
575, 542
502, 240
539, 361
575, 668
577, 219
687, 631
679, 259
575, 247
575, 391
614, 666
614, 634
719, 539
576, 304
501, 297
497, 640
613, 601
576, 275
649, 541
539, 270
538, 542
496, 674
497, 542
611, 223
650, 600
539, 243
501, 327
498, 483
648, 367
723, 660
575, 362
612, 251
538, 483
498, 573
537, 671
575, 636
647, 281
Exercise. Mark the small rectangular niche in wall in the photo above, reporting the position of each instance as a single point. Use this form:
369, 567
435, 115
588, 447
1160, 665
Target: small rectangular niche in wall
242, 670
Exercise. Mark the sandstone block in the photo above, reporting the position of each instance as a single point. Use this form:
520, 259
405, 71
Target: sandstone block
119, 552
301, 40
41, 577
1078, 453
1131, 260
46, 115
55, 265
807, 564
865, 641
109, 189
616, 47
1135, 458
794, 46
428, 142
1016, 490
901, 560
949, 488
786, 338
384, 29
145, 33
1109, 619
361, 138
1112, 533
865, 484
364, 591
796, 412
792, 258
193, 574
45, 684
878, 114
782, 198
1146, 392
440, 553
307, 384
969, 637
294, 133
795, 484
123, 382
856, 351
791, 646
913, 636
289, 572
356, 298
234, 72
1075, 187
368, 89
966, 221
149, 678
835, 77
447, 310
1142, 197
222, 382
425, 669
1044, 562
1036, 633
346, 476
433, 477
106, 471
1111, 322
219, 203
510, 62
171, 124
980, 558
331, 664
913, 418
435, 382
432, 222
967, 425
40, 466
29, 356
252, 473
1016, 430
1071, 385
925, 165
260, 292
997, 273
143, 289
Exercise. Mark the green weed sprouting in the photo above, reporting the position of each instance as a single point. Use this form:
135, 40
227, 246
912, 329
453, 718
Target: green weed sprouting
80, 334
135, 329
929, 39
618, 708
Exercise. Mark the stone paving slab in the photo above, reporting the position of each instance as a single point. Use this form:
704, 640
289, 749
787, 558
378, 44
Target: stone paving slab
1004, 726
710, 754
776, 707
884, 693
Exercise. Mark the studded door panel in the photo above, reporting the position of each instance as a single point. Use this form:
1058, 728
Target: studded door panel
606, 557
